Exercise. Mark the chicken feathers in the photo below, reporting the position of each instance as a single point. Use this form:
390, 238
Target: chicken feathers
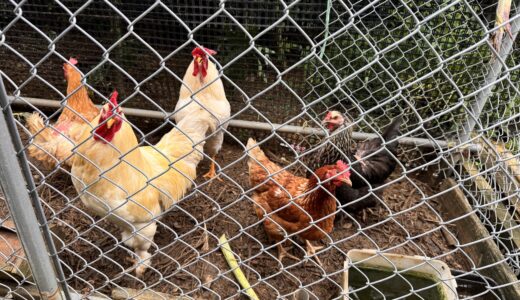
372, 163
202, 88
288, 204
53, 145
133, 185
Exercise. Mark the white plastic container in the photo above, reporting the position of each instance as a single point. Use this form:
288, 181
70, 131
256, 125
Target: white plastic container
418, 266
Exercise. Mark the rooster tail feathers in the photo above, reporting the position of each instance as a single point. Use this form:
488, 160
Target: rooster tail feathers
392, 130
257, 163
190, 134
47, 147
37, 128
250, 143
254, 149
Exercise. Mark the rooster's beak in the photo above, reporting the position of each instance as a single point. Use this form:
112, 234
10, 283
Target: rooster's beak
198, 59
110, 123
346, 181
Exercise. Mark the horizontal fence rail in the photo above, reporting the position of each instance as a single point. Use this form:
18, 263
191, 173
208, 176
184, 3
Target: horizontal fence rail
135, 112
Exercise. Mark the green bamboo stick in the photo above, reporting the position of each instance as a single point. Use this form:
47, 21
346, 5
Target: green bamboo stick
233, 264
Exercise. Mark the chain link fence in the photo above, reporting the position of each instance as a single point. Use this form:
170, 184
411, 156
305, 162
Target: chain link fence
451, 201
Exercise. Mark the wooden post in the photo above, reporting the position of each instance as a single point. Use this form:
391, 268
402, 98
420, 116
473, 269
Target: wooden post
508, 176
474, 239
494, 205
12, 259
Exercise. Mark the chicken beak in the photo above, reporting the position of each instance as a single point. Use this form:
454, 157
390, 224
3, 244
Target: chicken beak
110, 122
327, 124
198, 59
346, 181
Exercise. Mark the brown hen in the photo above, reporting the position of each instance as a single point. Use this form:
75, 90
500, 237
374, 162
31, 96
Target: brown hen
53, 144
289, 204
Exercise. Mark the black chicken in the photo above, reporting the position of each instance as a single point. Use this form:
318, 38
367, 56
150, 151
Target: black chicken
372, 163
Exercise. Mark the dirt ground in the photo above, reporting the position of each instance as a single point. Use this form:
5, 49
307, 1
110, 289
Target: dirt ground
185, 260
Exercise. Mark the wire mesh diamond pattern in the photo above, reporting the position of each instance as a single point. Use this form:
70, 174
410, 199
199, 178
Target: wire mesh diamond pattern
120, 189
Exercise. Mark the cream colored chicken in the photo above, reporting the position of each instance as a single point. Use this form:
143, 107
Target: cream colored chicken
202, 88
53, 144
133, 185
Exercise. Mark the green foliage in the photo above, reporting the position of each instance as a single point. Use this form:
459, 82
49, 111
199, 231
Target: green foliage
398, 47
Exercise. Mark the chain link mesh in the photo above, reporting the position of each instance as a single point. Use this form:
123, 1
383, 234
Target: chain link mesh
289, 63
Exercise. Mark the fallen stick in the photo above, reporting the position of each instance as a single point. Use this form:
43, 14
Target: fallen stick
233, 264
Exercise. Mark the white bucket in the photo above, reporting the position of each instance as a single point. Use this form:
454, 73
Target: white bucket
433, 269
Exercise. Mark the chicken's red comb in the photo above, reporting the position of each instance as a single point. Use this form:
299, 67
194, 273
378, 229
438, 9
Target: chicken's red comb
73, 61
113, 98
328, 115
199, 52
341, 165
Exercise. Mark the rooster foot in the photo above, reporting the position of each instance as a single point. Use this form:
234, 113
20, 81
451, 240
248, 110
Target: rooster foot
139, 271
211, 173
140, 265
343, 222
282, 252
346, 225
311, 251
134, 263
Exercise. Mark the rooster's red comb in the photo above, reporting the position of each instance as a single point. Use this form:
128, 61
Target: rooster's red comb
113, 98
341, 165
328, 115
199, 52
73, 61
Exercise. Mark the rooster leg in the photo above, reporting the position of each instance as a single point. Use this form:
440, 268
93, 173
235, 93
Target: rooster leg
282, 252
140, 264
140, 241
211, 173
340, 219
311, 251
143, 263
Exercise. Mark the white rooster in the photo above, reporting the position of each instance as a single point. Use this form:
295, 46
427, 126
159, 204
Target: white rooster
202, 87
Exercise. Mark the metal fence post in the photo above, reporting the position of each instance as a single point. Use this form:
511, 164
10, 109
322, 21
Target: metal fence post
496, 67
16, 192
